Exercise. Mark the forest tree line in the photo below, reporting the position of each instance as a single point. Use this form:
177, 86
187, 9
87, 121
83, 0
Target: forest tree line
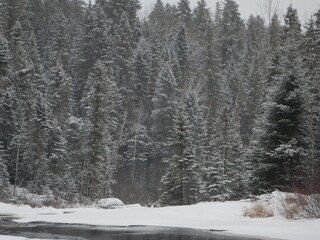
185, 105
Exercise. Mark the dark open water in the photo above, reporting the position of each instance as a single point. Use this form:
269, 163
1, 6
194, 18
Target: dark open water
87, 232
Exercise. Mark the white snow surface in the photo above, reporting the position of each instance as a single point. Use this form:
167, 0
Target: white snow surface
208, 215
4, 237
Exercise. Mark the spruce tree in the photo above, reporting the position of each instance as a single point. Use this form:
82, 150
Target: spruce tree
4, 176
312, 60
100, 102
231, 32
184, 11
60, 92
156, 15
181, 53
181, 181
164, 101
282, 158
4, 60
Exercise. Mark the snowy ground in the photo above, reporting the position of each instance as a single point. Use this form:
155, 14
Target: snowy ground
218, 216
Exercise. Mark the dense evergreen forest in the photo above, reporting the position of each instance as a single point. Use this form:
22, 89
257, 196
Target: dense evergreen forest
183, 106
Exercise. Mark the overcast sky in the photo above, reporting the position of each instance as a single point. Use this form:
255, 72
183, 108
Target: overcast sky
247, 7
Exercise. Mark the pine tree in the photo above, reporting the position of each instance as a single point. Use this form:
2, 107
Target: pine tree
201, 16
218, 14
58, 36
100, 103
60, 91
4, 59
137, 157
184, 11
22, 104
95, 44
231, 32
164, 104
142, 75
226, 169
4, 176
132, 8
123, 58
211, 67
4, 92
180, 183
157, 13
181, 53
275, 33
312, 60
253, 75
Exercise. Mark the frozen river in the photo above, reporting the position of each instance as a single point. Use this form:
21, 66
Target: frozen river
41, 230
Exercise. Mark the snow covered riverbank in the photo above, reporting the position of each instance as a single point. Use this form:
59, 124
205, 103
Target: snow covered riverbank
218, 216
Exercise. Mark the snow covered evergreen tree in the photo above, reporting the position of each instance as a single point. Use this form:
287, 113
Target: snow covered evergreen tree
282, 158
231, 32
60, 93
100, 102
181, 181
4, 176
90, 95
312, 60
184, 11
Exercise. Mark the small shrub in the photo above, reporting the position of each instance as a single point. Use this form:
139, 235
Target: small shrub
258, 210
288, 206
295, 205
291, 211
309, 205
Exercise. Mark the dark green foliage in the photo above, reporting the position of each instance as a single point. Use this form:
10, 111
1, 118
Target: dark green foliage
282, 159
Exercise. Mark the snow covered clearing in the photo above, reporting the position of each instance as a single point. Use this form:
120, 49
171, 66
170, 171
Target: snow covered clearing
217, 215
3, 237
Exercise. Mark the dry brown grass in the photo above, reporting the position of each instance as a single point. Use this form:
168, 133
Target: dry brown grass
258, 210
